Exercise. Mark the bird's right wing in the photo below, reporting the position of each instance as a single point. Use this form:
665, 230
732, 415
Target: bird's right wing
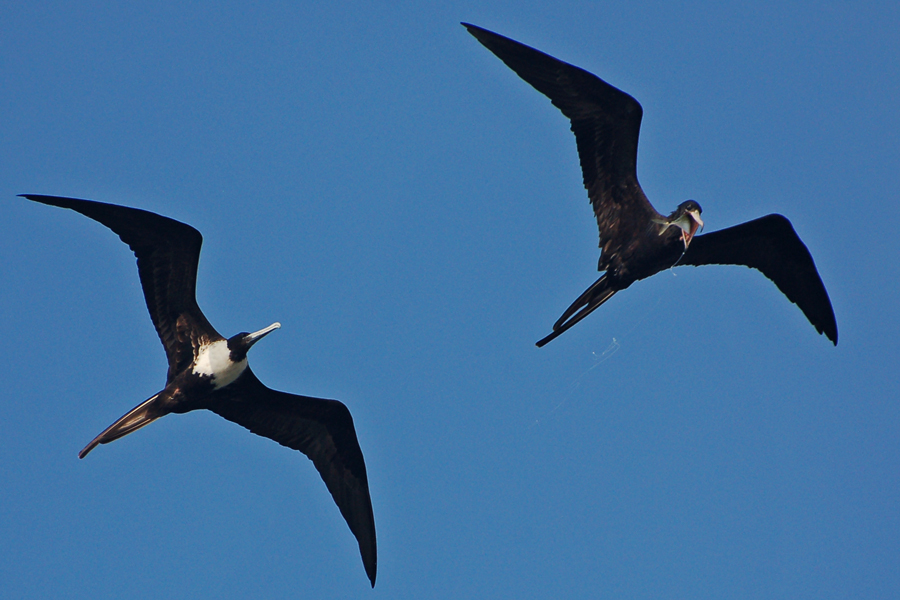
323, 431
606, 122
167, 254
770, 245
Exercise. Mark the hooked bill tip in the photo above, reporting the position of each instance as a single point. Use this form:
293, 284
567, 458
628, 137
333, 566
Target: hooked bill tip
268, 329
252, 338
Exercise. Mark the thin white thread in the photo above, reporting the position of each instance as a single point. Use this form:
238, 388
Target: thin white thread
610, 350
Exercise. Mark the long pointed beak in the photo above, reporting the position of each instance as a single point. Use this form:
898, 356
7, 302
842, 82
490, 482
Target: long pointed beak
254, 337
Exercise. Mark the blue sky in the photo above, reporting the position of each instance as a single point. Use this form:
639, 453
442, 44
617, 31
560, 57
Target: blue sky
412, 213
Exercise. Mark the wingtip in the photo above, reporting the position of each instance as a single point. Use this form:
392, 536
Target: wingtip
475, 30
45, 199
370, 572
827, 326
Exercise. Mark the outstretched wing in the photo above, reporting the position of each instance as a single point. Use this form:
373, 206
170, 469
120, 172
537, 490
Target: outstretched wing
606, 123
167, 254
770, 245
323, 431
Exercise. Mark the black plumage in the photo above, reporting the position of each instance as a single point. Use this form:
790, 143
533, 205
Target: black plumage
206, 371
635, 240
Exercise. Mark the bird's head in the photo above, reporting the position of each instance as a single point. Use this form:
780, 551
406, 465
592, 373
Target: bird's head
687, 217
239, 344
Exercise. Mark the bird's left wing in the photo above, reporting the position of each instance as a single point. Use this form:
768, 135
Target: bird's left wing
606, 122
167, 254
323, 431
770, 245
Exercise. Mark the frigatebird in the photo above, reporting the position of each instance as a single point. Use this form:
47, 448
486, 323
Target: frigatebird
635, 240
208, 371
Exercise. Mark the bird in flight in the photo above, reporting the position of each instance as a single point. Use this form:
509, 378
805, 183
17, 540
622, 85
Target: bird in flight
209, 371
635, 240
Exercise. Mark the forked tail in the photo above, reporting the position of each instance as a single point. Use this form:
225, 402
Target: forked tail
143, 414
585, 304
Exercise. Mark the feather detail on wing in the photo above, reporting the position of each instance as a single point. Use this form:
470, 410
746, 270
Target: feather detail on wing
323, 431
606, 122
770, 245
167, 252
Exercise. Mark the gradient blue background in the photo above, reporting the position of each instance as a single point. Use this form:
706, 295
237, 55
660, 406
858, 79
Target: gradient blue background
412, 212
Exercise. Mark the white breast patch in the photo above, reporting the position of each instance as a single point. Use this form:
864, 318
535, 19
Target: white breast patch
214, 360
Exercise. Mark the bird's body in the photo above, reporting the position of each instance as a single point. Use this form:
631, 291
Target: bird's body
635, 240
208, 371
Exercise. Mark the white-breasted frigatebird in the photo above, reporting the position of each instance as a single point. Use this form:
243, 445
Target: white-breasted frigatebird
635, 240
208, 371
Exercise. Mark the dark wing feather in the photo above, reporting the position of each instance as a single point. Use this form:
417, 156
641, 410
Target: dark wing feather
770, 245
323, 431
167, 254
606, 123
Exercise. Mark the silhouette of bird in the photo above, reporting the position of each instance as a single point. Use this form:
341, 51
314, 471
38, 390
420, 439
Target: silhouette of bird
208, 371
635, 240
